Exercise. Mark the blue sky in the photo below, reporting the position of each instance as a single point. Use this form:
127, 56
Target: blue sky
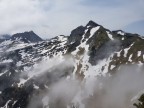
49, 18
135, 27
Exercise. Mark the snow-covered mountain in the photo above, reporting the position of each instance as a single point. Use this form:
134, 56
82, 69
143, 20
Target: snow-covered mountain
63, 72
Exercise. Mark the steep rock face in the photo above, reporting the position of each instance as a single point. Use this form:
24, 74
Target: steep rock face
76, 34
29, 69
26, 37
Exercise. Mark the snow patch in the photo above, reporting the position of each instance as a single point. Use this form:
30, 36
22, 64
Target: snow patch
44, 51
139, 53
121, 33
62, 38
35, 86
110, 35
130, 58
22, 81
6, 105
122, 38
126, 50
112, 67
93, 30
118, 53
7, 61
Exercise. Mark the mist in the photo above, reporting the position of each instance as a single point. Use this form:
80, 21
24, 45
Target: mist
114, 90
118, 90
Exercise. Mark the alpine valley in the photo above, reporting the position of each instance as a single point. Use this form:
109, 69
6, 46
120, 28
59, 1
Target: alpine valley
92, 68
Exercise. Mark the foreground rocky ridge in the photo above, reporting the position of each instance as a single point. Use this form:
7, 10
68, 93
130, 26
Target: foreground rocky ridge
28, 69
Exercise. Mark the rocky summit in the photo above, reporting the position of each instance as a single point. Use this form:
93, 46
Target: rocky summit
88, 69
26, 37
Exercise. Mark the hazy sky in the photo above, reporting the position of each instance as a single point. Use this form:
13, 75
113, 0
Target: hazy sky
49, 18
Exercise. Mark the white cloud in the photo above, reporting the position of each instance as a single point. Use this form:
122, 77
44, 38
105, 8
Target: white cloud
19, 15
49, 18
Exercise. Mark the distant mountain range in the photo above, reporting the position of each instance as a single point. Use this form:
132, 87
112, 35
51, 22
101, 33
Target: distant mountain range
26, 37
30, 67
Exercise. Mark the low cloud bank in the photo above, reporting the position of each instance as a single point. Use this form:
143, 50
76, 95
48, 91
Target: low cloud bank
111, 91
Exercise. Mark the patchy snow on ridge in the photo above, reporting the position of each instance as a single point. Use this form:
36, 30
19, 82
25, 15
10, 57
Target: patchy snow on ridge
121, 33
83, 44
110, 35
127, 49
87, 68
10, 45
20, 46
62, 38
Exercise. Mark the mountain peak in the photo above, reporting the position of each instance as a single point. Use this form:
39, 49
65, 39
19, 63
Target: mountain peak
30, 32
28, 36
92, 23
